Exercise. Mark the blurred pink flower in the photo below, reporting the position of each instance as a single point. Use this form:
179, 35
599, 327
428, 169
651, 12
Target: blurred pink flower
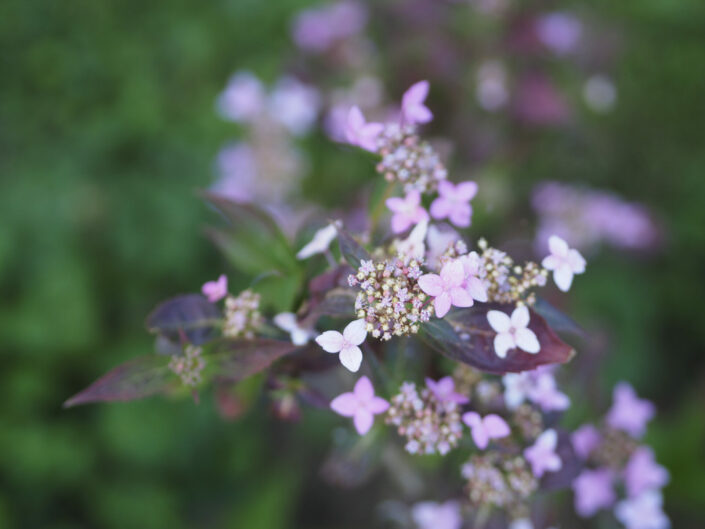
243, 98
318, 29
453, 202
413, 110
628, 412
593, 491
538, 102
361, 404
446, 288
538, 386
346, 343
294, 104
643, 472
431, 515
513, 332
585, 439
359, 132
559, 32
485, 428
408, 211
444, 390
216, 290
643, 512
564, 261
472, 282
542, 454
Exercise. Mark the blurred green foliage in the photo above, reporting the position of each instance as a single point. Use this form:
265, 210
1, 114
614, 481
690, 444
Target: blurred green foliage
106, 129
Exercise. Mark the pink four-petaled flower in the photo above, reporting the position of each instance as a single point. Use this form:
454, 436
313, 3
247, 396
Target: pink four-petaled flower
453, 202
361, 133
643, 473
593, 490
413, 110
408, 211
485, 428
513, 332
564, 261
361, 404
216, 290
446, 288
472, 282
629, 413
444, 390
542, 454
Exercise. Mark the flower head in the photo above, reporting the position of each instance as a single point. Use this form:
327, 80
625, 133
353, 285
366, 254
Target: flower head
216, 290
447, 288
320, 242
361, 133
473, 283
513, 332
413, 110
593, 491
628, 412
486, 428
444, 390
346, 343
643, 512
408, 211
542, 454
361, 404
538, 386
564, 261
453, 202
431, 515
243, 99
287, 322
242, 315
643, 473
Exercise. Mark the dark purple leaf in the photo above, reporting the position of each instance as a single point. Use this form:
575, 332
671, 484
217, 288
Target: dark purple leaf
235, 360
191, 314
466, 336
570, 468
558, 320
351, 249
136, 379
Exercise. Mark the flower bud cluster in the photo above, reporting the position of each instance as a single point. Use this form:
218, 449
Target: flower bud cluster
189, 365
615, 449
507, 282
390, 301
429, 424
498, 479
409, 160
242, 315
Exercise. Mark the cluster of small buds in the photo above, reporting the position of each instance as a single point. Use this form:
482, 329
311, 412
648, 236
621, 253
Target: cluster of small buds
242, 315
454, 250
528, 421
429, 424
390, 300
465, 378
498, 479
507, 282
409, 160
615, 449
189, 365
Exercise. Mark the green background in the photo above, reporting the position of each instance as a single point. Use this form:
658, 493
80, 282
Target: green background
107, 128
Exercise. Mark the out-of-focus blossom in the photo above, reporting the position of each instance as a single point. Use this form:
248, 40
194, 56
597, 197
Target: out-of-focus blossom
538, 102
542, 454
242, 315
538, 386
628, 412
559, 32
513, 332
593, 491
453, 202
444, 390
521, 523
643, 512
318, 29
216, 290
485, 428
413, 246
564, 262
413, 110
320, 242
440, 238
243, 98
446, 288
643, 473
408, 211
346, 343
361, 133
472, 268
599, 93
491, 90
287, 321
431, 515
294, 104
237, 166
361, 404
585, 440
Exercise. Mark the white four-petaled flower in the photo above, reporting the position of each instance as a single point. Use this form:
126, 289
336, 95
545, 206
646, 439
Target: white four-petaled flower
320, 242
346, 343
287, 322
513, 331
564, 261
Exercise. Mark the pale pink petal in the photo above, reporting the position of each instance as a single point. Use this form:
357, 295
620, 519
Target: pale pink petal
377, 405
418, 114
551, 262
502, 343
466, 191
520, 317
471, 418
563, 277
355, 332
364, 391
446, 189
460, 215
452, 274
441, 208
444, 386
496, 426
216, 290
431, 284
331, 341
363, 421
479, 435
576, 261
395, 204
351, 358
355, 122
526, 341
345, 405
413, 198
442, 304
460, 297
401, 222
416, 93
476, 288
499, 321
558, 246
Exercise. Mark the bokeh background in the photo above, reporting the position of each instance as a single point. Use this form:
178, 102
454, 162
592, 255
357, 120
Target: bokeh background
108, 127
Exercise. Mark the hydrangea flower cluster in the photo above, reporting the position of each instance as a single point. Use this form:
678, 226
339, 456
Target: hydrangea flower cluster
242, 315
390, 298
189, 365
500, 480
